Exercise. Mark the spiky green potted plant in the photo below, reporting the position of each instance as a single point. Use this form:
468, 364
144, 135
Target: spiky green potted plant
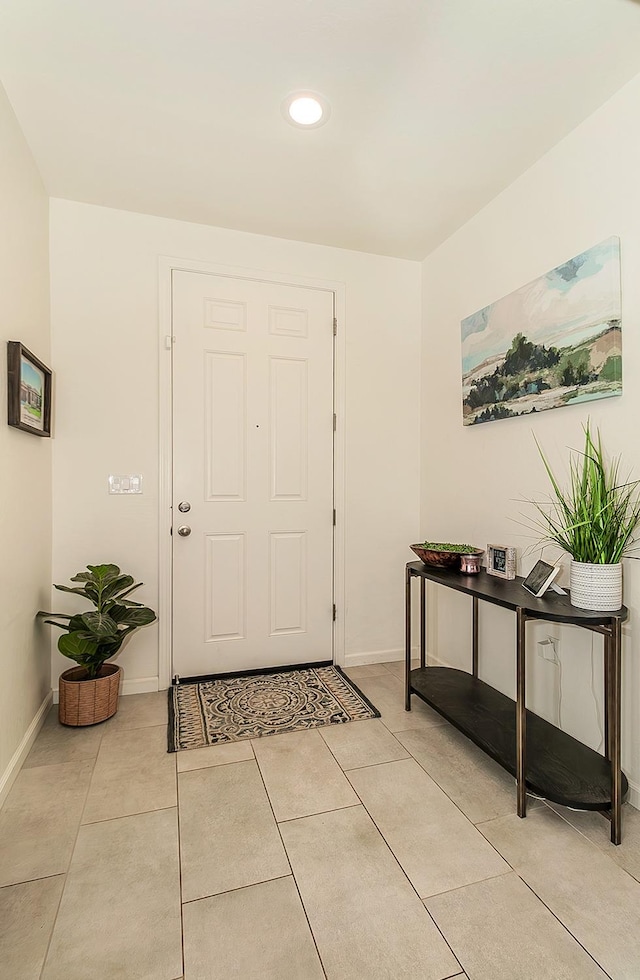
89, 692
595, 520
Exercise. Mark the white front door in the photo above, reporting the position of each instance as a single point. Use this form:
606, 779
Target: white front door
252, 474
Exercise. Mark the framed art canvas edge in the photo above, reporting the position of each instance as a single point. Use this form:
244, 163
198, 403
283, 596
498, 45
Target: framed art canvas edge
15, 352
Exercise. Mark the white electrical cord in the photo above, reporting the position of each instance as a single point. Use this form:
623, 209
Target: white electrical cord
559, 663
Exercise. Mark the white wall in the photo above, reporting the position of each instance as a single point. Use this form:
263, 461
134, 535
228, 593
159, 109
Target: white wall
25, 460
105, 338
473, 479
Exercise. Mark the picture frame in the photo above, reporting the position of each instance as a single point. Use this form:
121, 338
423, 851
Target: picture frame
553, 342
28, 391
501, 561
540, 578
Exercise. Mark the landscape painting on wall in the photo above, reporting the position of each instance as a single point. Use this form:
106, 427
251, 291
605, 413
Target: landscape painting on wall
28, 390
556, 341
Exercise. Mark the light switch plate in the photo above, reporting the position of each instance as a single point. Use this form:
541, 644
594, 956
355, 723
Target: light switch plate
125, 484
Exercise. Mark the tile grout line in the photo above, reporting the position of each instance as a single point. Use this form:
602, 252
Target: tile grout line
124, 816
471, 884
505, 816
603, 850
387, 845
478, 826
411, 885
216, 765
532, 890
160, 696
318, 813
513, 870
72, 852
437, 722
27, 881
374, 765
410, 755
51, 765
530, 796
345, 771
427, 728
429, 776
304, 909
230, 891
564, 926
439, 785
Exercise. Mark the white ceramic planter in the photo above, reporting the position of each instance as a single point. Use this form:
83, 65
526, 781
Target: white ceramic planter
597, 587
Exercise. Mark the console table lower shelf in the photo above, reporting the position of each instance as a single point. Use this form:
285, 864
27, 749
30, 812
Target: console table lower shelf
558, 767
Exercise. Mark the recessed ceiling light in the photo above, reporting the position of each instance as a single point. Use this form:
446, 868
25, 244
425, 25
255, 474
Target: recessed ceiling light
308, 110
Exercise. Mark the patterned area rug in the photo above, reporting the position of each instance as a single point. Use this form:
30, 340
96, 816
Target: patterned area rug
233, 708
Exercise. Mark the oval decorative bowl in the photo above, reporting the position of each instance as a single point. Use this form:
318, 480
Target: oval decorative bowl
434, 556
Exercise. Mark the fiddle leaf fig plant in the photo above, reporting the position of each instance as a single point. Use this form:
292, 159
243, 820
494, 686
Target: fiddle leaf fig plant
91, 638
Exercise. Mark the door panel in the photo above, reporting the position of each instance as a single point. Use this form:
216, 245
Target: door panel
288, 581
288, 428
224, 596
225, 398
253, 456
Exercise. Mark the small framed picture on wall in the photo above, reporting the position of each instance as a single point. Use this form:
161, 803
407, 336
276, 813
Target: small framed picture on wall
29, 391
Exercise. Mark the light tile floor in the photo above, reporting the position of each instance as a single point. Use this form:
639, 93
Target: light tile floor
379, 849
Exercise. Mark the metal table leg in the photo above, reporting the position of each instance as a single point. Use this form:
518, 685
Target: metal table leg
474, 661
407, 647
608, 639
615, 684
423, 622
521, 714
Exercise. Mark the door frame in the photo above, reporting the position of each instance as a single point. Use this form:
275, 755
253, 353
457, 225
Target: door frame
166, 266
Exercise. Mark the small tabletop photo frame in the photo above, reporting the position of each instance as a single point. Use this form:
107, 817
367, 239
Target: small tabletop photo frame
501, 561
29, 391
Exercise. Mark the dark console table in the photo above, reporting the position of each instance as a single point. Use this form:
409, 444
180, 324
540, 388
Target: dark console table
544, 760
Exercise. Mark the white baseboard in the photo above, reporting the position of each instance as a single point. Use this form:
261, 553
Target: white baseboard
435, 662
376, 657
21, 753
634, 795
137, 685
140, 685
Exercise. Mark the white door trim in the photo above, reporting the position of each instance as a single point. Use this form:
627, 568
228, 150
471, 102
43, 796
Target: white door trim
166, 265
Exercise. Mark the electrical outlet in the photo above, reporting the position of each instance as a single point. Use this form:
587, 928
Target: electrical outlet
548, 649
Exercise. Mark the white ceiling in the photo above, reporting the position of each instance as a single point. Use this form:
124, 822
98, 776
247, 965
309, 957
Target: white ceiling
172, 107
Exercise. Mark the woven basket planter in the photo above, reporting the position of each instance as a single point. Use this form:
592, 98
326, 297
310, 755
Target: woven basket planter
88, 702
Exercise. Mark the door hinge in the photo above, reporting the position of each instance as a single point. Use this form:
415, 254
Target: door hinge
335, 326
169, 342
335, 421
334, 517
334, 612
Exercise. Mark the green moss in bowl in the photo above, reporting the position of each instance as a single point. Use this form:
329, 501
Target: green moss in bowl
443, 554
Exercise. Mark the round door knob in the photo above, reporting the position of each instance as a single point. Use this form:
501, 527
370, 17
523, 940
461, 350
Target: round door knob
184, 530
